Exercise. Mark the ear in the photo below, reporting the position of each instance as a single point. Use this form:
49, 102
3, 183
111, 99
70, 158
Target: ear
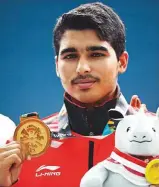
135, 102
123, 62
56, 62
157, 113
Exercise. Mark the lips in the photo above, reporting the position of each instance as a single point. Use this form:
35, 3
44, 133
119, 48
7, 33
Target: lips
84, 83
140, 141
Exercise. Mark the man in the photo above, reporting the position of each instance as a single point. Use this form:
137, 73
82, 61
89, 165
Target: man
90, 54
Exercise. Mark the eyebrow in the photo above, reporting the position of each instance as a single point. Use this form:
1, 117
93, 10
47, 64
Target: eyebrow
90, 48
97, 48
68, 50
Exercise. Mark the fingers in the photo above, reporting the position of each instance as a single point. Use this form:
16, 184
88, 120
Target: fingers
10, 146
16, 151
25, 152
12, 160
13, 148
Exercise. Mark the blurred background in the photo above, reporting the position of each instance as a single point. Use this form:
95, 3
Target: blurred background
27, 72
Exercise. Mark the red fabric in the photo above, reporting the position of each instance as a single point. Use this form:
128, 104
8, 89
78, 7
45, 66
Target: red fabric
130, 158
71, 156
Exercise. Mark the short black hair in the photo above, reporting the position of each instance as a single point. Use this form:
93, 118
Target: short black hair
95, 16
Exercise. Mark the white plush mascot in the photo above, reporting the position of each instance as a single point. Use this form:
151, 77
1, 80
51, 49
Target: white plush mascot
7, 128
134, 161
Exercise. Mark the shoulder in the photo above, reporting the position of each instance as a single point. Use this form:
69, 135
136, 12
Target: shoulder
52, 122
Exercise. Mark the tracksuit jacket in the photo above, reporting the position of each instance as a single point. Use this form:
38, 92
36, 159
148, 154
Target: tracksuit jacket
81, 137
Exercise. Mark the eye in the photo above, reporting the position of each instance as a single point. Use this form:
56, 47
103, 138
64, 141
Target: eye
70, 56
97, 54
127, 130
153, 129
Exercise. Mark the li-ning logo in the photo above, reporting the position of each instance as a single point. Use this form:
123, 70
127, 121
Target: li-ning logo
47, 171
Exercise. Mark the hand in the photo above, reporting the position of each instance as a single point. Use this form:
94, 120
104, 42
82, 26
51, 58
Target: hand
11, 157
157, 185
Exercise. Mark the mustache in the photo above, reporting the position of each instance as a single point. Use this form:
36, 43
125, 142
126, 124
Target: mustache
83, 77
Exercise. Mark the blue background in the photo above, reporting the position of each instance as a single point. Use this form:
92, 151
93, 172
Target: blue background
27, 71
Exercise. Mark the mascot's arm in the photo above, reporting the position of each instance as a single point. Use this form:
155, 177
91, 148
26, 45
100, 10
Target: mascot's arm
95, 177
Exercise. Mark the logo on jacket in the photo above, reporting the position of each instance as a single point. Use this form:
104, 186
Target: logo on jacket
47, 171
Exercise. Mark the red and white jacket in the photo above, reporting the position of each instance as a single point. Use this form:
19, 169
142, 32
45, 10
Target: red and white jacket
70, 155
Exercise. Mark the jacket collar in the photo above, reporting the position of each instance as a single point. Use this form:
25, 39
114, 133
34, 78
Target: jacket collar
64, 129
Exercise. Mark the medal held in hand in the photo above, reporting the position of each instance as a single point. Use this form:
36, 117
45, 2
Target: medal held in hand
152, 172
34, 135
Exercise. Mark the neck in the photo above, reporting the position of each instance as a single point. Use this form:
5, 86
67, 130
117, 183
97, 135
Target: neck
145, 158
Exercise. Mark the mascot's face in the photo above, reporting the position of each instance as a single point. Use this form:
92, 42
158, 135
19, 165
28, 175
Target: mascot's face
138, 134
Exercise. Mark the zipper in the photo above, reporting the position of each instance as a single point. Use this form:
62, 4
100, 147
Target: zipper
90, 154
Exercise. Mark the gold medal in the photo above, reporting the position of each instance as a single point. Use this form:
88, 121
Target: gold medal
152, 172
34, 135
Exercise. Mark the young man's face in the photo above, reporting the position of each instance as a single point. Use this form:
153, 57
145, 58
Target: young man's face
88, 67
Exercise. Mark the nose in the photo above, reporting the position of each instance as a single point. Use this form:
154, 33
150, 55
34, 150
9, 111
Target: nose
83, 67
141, 136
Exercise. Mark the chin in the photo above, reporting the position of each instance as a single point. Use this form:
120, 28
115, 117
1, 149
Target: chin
142, 152
85, 99
88, 98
